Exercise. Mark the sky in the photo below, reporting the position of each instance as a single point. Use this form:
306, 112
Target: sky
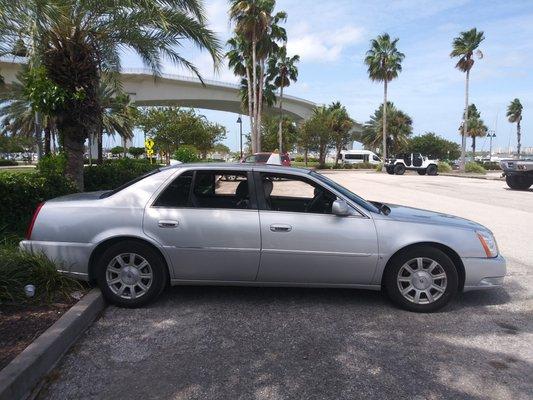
331, 38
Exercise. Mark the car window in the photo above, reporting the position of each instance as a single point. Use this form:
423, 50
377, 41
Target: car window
212, 189
177, 193
262, 158
288, 193
221, 189
249, 159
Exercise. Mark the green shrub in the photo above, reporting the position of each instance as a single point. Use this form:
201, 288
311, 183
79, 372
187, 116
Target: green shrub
113, 173
52, 164
491, 165
475, 168
379, 167
21, 193
187, 154
444, 167
302, 159
7, 163
18, 269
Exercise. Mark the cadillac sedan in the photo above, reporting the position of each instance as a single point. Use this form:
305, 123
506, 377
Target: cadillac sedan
246, 224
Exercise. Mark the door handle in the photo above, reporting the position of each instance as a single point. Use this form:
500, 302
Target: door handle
280, 228
167, 223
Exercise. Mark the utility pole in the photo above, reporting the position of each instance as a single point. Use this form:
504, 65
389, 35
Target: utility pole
239, 121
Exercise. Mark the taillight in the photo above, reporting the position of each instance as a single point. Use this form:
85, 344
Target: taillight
30, 226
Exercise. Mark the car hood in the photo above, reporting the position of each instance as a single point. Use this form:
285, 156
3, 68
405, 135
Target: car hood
417, 215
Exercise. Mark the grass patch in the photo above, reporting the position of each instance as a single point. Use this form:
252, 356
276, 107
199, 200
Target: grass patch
475, 168
19, 268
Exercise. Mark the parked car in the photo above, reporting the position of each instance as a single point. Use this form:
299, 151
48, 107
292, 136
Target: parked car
268, 158
411, 161
518, 173
359, 156
275, 226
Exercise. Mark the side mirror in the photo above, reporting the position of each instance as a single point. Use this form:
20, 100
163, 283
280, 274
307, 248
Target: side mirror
340, 208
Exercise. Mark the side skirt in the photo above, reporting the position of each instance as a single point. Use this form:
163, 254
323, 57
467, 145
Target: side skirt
177, 282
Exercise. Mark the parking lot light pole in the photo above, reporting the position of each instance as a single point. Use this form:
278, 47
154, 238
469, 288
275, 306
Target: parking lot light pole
491, 135
239, 121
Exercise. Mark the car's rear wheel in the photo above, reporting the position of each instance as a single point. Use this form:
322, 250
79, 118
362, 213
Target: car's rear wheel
518, 182
422, 279
432, 169
131, 274
390, 170
421, 171
399, 169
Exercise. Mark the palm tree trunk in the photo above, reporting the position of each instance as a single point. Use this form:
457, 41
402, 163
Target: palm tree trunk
465, 126
280, 126
518, 137
306, 158
100, 144
260, 102
250, 105
38, 137
383, 169
74, 148
473, 148
254, 88
47, 141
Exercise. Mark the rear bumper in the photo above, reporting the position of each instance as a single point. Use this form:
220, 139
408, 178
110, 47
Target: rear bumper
71, 258
484, 273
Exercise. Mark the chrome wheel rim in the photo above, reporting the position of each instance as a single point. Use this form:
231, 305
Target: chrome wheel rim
129, 275
422, 280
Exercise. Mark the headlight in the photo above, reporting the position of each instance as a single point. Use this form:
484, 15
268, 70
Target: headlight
488, 243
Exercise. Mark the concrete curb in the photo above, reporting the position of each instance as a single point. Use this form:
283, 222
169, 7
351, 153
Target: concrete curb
484, 177
19, 377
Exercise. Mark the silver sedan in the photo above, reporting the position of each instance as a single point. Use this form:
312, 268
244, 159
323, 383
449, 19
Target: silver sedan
242, 224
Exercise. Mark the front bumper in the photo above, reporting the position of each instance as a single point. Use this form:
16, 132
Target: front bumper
484, 273
71, 258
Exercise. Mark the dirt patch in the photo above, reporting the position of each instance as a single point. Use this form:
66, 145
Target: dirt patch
22, 324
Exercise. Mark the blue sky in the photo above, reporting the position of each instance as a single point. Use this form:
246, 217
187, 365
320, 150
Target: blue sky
332, 37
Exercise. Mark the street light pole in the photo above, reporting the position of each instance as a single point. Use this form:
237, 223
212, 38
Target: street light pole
239, 121
491, 135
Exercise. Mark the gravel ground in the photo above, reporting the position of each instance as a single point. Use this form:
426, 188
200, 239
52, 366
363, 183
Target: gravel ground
269, 343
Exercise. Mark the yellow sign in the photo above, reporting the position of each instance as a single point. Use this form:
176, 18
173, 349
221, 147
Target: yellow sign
149, 144
149, 152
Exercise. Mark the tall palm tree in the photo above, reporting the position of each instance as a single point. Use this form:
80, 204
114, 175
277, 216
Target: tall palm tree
465, 46
514, 114
75, 40
282, 71
384, 63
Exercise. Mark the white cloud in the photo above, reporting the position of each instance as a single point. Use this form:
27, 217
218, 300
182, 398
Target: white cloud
312, 45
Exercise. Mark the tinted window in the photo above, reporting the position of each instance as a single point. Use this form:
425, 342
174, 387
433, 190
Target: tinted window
177, 193
353, 157
127, 184
221, 189
288, 193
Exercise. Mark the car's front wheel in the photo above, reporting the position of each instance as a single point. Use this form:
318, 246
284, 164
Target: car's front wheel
131, 274
399, 169
518, 182
432, 169
422, 279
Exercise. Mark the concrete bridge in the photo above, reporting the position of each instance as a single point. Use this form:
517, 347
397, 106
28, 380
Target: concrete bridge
145, 90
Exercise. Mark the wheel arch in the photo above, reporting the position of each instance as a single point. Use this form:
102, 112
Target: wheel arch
107, 243
456, 259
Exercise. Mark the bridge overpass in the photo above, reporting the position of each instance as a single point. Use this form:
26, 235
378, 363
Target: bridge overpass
177, 90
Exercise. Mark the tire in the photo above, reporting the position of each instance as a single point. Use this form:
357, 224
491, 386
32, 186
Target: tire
130, 289
421, 171
390, 170
441, 291
432, 170
399, 169
518, 182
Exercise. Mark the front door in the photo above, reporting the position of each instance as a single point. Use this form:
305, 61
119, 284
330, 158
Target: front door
208, 223
302, 242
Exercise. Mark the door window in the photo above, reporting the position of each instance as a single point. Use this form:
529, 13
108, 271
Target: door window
289, 193
207, 189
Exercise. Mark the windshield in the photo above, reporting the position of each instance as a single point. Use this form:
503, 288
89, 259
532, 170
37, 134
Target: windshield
345, 192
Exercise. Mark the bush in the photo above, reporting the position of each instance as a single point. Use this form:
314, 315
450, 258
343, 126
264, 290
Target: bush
52, 164
22, 192
444, 167
187, 154
491, 165
7, 163
113, 173
475, 168
379, 167
302, 159
18, 269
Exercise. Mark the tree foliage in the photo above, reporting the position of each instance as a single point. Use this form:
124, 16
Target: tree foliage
434, 146
269, 133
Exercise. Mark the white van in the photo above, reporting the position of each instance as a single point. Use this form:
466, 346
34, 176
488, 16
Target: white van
359, 156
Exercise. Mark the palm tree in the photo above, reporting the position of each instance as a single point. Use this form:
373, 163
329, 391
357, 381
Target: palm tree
476, 127
384, 63
464, 47
514, 114
282, 71
77, 40
400, 127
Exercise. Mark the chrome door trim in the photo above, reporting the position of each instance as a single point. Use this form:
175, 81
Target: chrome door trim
316, 252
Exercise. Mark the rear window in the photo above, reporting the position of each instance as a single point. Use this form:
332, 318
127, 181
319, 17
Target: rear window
127, 184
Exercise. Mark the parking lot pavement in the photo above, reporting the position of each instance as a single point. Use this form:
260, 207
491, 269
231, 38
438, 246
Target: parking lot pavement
271, 343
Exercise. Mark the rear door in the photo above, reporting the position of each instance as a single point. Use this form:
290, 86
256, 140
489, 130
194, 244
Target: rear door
302, 242
208, 222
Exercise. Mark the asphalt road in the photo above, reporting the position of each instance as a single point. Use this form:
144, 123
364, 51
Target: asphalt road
267, 343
